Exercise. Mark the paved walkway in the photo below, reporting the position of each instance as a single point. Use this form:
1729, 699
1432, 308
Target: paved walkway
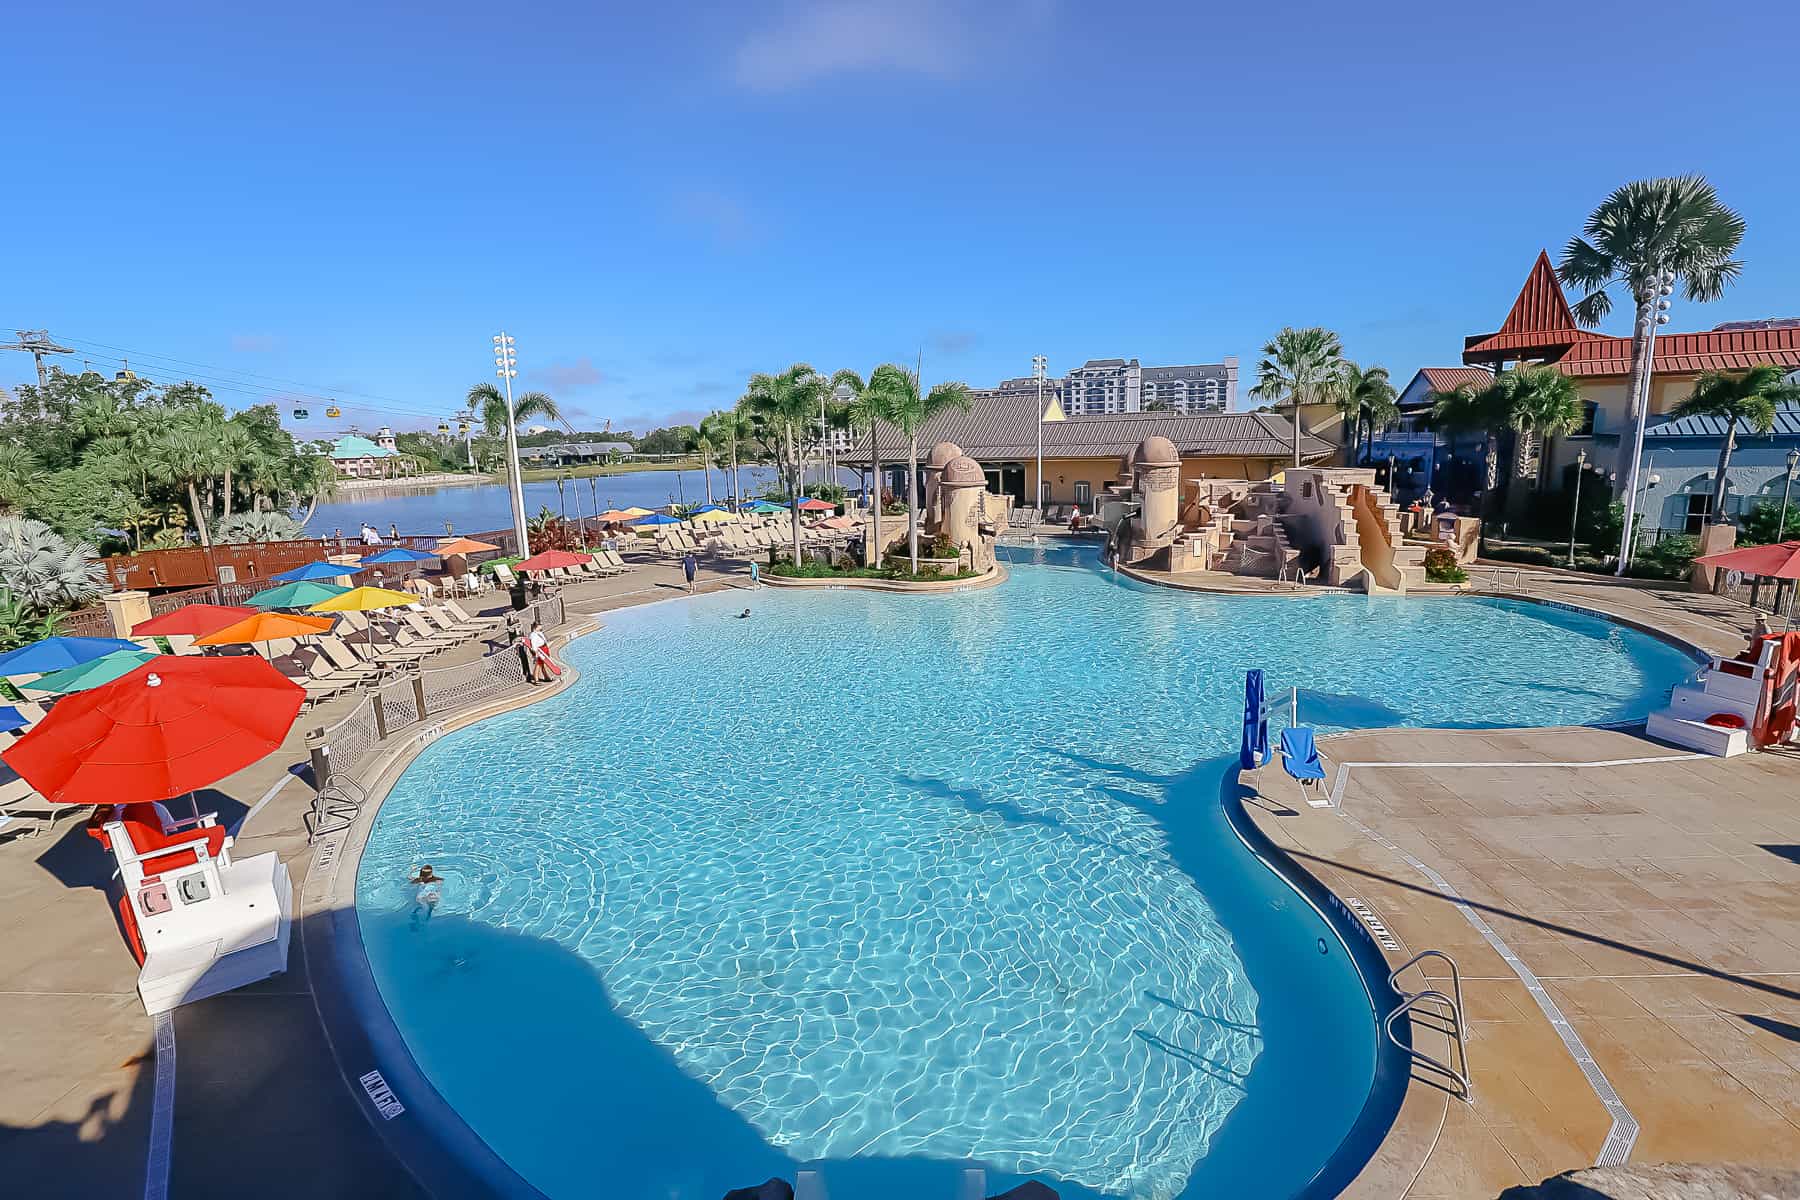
1657, 904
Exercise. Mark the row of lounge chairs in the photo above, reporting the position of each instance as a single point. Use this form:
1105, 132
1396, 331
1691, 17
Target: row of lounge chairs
748, 541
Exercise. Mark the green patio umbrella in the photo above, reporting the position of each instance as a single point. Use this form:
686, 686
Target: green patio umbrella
302, 593
91, 674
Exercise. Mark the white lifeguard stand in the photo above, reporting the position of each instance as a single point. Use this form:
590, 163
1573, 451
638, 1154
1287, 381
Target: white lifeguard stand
199, 922
1716, 711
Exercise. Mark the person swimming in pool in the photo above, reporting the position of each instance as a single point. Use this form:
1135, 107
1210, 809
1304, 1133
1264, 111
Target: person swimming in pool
431, 891
744, 616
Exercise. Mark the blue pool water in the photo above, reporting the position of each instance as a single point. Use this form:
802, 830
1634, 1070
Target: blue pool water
887, 885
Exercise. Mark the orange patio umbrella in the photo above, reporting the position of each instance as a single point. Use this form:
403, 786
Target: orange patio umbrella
463, 545
266, 627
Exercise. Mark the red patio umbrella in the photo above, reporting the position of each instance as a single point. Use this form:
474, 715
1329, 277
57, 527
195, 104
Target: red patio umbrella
549, 560
197, 620
814, 504
1779, 561
173, 725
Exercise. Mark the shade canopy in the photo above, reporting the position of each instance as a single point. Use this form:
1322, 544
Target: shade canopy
712, 516
656, 519
55, 653
365, 599
316, 570
764, 506
550, 560
266, 627
1778, 561
396, 554
93, 673
814, 504
301, 594
195, 620
169, 727
463, 545
11, 718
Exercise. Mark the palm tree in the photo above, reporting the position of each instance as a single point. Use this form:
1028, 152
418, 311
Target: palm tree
865, 410
1647, 236
787, 405
186, 457
488, 403
1300, 366
704, 447
898, 400
1364, 396
236, 450
1539, 403
22, 476
722, 431
1749, 398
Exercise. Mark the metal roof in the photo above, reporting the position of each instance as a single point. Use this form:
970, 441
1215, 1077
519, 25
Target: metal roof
1448, 379
1787, 425
1000, 428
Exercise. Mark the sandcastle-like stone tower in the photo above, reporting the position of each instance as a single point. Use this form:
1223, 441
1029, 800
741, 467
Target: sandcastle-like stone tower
1155, 468
960, 489
941, 456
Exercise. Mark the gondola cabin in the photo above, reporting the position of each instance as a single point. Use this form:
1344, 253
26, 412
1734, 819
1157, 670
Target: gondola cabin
334, 412
300, 414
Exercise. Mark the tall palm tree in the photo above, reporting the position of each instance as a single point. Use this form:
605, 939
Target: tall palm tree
1300, 366
704, 447
1647, 237
1748, 398
866, 410
488, 403
1539, 403
787, 405
236, 450
187, 456
719, 437
897, 395
22, 477
1364, 396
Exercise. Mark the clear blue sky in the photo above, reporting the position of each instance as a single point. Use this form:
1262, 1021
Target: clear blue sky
658, 199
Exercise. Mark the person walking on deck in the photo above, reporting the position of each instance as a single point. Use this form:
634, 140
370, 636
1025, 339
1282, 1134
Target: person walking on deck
689, 567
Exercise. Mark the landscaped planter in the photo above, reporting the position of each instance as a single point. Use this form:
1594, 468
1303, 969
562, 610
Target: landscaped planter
947, 566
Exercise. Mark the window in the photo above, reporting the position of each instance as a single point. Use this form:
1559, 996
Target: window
1587, 420
1699, 507
1084, 494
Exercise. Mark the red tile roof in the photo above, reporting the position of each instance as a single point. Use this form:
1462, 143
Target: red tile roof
1448, 379
1541, 326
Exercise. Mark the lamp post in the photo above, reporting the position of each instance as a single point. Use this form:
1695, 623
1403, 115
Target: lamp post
1038, 364
1575, 512
1793, 462
1662, 286
506, 362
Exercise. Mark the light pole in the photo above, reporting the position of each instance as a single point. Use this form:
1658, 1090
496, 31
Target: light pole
506, 362
1793, 462
1038, 365
1662, 287
1575, 512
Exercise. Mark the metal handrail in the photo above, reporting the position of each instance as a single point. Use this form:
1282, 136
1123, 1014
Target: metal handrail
1453, 1005
336, 807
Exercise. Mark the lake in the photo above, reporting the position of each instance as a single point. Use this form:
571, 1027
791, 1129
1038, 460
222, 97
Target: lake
473, 508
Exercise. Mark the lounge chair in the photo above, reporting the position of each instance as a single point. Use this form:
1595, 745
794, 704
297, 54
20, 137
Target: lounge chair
1300, 759
462, 614
24, 813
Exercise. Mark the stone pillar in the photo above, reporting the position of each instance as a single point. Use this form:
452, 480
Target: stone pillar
127, 610
344, 560
1714, 539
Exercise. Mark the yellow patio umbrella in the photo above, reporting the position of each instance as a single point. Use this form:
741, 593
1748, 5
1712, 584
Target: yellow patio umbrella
366, 599
635, 511
717, 516
266, 627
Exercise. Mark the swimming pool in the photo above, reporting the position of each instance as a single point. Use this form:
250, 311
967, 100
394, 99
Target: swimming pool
884, 886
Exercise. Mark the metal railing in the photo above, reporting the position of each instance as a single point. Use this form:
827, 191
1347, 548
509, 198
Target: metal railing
1432, 1002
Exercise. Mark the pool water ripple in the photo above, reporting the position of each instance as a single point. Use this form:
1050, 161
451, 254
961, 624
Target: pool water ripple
893, 877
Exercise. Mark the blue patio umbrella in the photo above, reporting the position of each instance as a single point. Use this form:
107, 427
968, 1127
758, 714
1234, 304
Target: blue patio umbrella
657, 519
396, 554
11, 719
694, 512
315, 570
56, 653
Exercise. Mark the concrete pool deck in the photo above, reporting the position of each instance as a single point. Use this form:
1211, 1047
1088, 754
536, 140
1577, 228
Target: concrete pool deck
78, 1062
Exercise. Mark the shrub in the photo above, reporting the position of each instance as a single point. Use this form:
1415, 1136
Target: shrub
1441, 566
1761, 524
257, 527
1531, 556
1671, 558
45, 571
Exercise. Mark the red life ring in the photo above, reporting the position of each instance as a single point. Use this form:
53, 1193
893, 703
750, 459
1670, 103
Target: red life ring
1725, 720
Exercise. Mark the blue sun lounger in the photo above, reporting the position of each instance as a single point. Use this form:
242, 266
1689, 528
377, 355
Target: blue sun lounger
1300, 755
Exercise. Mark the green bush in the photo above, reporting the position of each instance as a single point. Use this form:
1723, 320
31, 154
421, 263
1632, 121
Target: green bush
820, 570
1531, 556
1759, 526
487, 568
1441, 566
1671, 558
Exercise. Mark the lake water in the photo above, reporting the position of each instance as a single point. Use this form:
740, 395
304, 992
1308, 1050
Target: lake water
472, 508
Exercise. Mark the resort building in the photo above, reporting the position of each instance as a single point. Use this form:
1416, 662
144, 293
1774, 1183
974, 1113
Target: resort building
1541, 328
358, 457
1119, 385
1418, 451
563, 453
1084, 454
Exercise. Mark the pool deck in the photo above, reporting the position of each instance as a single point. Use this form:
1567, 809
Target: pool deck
1657, 902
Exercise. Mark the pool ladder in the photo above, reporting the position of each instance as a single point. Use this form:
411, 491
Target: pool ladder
336, 807
1433, 1004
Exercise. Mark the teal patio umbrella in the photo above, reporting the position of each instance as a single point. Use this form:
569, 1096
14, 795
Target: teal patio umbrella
92, 673
302, 593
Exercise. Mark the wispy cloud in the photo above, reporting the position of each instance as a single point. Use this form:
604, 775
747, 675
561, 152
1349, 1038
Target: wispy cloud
571, 377
817, 39
254, 343
952, 342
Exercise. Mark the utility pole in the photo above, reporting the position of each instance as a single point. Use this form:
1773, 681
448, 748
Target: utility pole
507, 363
37, 343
